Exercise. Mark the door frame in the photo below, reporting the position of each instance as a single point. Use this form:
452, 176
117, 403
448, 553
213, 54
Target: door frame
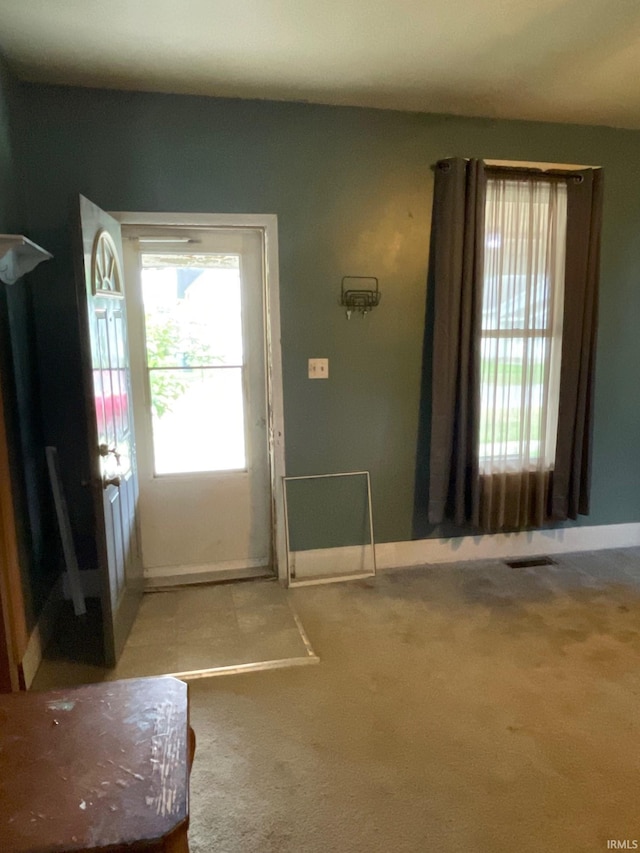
267, 224
13, 627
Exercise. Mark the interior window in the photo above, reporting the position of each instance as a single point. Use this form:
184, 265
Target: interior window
522, 314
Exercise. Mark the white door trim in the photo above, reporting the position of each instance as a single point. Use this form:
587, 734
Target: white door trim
268, 224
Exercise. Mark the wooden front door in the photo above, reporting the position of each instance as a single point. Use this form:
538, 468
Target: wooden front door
107, 387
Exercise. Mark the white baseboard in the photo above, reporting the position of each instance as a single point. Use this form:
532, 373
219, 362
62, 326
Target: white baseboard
501, 546
324, 562
348, 561
351, 560
41, 635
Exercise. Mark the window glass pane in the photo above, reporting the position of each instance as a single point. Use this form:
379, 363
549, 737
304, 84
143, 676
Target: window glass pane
193, 310
512, 409
522, 231
198, 420
101, 379
513, 302
522, 312
119, 379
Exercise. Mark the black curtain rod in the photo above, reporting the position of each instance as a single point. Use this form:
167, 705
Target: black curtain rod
527, 171
532, 172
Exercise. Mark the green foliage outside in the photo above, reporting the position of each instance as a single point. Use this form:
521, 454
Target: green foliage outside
507, 425
511, 372
168, 351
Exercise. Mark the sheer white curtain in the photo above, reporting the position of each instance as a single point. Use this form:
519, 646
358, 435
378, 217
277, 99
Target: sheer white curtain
521, 342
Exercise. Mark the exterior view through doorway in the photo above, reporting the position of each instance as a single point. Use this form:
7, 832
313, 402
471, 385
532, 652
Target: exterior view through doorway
203, 316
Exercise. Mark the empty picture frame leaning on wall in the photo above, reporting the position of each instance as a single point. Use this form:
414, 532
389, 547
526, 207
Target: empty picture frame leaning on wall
329, 528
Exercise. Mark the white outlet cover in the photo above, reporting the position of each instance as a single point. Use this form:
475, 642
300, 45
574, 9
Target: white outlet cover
318, 368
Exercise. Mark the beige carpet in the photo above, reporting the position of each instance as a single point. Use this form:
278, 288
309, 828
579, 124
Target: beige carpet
460, 708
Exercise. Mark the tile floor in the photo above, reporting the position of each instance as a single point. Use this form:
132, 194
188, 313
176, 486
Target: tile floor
186, 631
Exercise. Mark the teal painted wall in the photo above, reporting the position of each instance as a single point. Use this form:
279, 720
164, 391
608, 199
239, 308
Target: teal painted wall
352, 190
329, 512
37, 539
9, 207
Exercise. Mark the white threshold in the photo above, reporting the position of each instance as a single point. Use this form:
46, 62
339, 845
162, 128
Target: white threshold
162, 576
178, 576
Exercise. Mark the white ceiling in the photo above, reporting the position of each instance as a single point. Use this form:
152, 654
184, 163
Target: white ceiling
555, 60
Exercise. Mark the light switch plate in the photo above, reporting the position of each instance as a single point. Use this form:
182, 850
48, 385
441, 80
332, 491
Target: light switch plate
318, 368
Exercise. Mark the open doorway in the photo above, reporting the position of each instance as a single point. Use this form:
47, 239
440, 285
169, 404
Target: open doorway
203, 318
180, 328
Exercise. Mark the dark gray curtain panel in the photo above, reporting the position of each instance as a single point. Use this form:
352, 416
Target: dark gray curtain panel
457, 490
458, 236
571, 481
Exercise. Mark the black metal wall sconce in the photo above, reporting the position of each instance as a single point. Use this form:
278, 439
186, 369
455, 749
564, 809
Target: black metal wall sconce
359, 299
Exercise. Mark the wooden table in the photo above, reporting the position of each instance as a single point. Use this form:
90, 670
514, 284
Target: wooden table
96, 767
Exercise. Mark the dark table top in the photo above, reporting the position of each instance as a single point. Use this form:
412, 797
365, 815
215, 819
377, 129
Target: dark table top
93, 766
